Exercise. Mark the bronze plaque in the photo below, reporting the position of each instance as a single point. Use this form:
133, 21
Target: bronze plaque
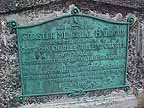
76, 52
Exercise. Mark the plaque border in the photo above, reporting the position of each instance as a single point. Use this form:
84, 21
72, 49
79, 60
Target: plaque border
13, 26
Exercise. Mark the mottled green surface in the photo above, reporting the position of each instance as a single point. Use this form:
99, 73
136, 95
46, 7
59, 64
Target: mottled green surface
72, 53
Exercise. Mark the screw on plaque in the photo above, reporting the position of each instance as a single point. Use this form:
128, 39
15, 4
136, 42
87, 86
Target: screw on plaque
75, 11
20, 98
12, 26
131, 20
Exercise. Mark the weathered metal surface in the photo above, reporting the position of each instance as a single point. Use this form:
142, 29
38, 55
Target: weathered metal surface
72, 53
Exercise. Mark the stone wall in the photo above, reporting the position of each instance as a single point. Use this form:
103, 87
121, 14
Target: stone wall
11, 6
33, 11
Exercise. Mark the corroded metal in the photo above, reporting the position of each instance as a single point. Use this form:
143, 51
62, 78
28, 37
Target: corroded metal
72, 54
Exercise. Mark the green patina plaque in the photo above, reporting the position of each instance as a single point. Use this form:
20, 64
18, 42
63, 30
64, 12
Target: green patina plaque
75, 52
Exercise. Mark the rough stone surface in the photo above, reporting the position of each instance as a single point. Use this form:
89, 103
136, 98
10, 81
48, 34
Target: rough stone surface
9, 76
127, 3
16, 5
128, 101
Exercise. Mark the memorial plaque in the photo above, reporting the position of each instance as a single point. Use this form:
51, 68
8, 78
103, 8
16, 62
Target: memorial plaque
76, 52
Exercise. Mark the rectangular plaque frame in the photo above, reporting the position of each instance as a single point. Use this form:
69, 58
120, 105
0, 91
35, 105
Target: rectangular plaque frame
72, 53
